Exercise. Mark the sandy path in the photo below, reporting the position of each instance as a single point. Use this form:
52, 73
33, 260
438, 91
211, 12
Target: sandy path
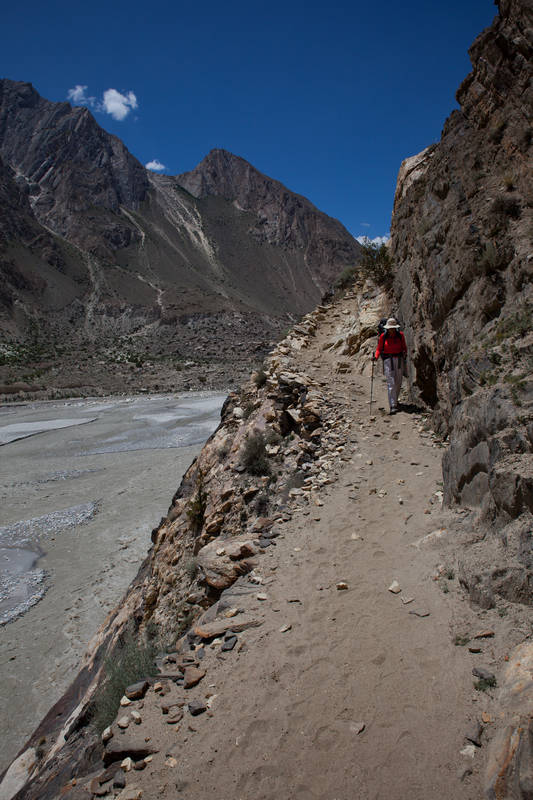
289, 706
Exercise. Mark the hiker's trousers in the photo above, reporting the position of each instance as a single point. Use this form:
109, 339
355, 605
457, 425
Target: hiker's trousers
393, 369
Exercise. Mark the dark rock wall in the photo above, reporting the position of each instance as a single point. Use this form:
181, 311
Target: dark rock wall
71, 166
462, 243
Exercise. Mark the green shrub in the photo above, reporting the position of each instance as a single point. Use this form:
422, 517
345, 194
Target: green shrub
272, 437
376, 263
254, 455
196, 507
260, 378
131, 661
248, 409
191, 567
484, 683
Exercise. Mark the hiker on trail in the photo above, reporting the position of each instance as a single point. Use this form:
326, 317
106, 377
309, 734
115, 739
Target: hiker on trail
393, 350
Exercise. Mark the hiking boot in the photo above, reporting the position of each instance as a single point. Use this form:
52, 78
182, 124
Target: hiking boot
393, 410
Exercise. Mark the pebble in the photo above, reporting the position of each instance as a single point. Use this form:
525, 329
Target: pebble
418, 613
285, 628
484, 634
136, 717
407, 600
125, 701
107, 734
469, 751
357, 727
192, 676
127, 764
175, 715
171, 762
342, 585
137, 690
261, 597
395, 587
474, 734
123, 722
228, 644
196, 707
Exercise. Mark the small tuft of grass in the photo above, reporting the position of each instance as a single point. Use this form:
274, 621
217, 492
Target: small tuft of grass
196, 507
254, 455
132, 660
450, 573
191, 567
485, 683
461, 640
260, 378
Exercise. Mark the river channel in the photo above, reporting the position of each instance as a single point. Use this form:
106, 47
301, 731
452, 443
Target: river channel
82, 484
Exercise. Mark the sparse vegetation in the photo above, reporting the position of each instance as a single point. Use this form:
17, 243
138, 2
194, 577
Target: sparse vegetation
490, 258
377, 264
461, 640
196, 507
518, 324
496, 135
254, 455
508, 182
485, 683
191, 567
272, 437
248, 409
132, 660
260, 378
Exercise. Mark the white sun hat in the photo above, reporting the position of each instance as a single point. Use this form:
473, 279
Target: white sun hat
391, 323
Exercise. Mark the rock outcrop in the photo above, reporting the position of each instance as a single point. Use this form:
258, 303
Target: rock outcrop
461, 242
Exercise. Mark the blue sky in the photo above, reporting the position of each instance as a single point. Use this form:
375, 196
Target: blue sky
328, 98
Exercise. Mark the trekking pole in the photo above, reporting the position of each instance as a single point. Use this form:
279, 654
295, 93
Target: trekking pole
371, 387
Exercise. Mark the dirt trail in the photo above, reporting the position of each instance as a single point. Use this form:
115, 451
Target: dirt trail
289, 707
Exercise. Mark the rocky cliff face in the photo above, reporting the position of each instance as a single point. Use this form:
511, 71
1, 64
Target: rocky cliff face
142, 256
280, 217
462, 244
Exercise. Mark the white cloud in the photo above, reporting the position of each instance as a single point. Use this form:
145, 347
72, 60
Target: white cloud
379, 240
113, 102
78, 97
155, 165
118, 105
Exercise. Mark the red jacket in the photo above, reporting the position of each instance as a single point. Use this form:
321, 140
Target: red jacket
391, 345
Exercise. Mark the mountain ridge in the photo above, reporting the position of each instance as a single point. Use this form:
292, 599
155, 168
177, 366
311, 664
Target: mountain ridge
137, 254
